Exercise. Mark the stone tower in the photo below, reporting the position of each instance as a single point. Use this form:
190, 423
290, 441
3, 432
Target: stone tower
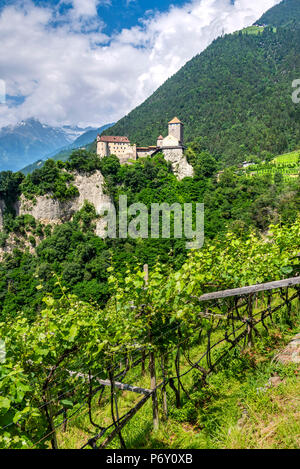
160, 141
176, 129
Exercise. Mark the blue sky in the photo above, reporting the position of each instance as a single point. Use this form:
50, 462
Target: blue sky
116, 14
90, 62
119, 14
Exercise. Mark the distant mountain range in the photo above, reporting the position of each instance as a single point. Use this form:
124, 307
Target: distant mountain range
86, 140
236, 95
30, 140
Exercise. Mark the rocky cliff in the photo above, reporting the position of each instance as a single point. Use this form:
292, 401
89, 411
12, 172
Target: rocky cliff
48, 210
181, 167
51, 211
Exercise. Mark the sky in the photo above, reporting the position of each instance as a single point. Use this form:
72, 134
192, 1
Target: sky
90, 62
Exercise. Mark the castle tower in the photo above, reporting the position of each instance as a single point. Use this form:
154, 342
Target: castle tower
160, 141
176, 129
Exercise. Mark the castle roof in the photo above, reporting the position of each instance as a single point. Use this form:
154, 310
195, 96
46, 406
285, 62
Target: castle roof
160, 137
113, 139
175, 121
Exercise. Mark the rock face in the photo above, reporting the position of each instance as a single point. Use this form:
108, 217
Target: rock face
52, 211
180, 165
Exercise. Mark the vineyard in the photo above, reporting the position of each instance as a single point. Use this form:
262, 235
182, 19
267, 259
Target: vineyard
154, 347
286, 165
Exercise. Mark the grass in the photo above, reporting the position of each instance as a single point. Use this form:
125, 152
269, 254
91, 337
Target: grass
272, 419
254, 30
234, 410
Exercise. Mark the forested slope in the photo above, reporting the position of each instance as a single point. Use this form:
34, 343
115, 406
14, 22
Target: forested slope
286, 13
236, 94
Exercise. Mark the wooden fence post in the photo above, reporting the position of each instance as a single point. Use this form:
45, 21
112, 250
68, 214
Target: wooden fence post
250, 319
143, 362
164, 390
152, 366
50, 415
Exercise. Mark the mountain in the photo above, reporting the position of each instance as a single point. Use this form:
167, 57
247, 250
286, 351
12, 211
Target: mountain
30, 139
236, 94
285, 14
89, 136
26, 141
73, 132
85, 139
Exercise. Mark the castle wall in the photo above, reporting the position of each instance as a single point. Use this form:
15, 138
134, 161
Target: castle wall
124, 151
144, 152
129, 153
102, 149
170, 141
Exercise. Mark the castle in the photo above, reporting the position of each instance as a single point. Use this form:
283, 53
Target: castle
171, 146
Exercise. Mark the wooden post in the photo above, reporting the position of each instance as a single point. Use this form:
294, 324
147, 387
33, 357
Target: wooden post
250, 319
153, 386
116, 405
177, 367
152, 366
65, 417
164, 390
143, 362
113, 401
50, 415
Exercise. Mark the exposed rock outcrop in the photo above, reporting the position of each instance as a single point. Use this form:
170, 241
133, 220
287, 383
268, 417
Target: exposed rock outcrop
48, 210
52, 211
2, 209
180, 165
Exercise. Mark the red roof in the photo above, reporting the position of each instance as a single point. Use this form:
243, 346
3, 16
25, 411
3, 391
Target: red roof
112, 139
160, 137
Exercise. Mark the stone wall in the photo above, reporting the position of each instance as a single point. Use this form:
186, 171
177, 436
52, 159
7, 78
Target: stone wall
144, 153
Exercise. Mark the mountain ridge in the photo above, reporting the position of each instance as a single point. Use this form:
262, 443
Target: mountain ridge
236, 95
64, 153
284, 14
30, 139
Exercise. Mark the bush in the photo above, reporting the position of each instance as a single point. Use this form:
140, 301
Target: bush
83, 161
51, 178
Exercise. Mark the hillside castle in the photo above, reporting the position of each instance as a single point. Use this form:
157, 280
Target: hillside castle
171, 146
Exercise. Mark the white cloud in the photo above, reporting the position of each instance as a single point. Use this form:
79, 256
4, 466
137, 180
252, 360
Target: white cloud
71, 77
86, 7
